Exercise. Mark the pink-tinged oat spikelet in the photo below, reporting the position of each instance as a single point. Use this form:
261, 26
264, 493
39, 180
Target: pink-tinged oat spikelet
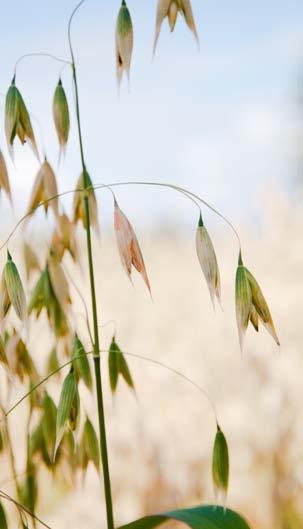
170, 9
128, 245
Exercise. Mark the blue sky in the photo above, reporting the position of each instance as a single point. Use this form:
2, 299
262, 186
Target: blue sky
220, 121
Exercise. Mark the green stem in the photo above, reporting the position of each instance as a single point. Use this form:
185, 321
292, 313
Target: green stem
96, 347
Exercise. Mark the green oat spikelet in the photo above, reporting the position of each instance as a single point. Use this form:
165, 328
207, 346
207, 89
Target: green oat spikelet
220, 466
61, 116
251, 305
89, 447
17, 120
208, 261
68, 409
78, 204
117, 365
124, 42
81, 363
243, 300
12, 290
3, 519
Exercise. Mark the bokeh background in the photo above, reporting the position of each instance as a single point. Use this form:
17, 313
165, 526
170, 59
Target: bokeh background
225, 122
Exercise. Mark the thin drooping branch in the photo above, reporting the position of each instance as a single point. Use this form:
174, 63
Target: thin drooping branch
126, 353
191, 196
22, 509
49, 55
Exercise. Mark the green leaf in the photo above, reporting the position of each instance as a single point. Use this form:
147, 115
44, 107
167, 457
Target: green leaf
68, 399
3, 521
48, 424
203, 517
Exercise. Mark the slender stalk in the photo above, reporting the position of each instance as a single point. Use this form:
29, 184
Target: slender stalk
96, 347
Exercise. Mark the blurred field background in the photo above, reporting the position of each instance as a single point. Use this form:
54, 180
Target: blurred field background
160, 444
226, 123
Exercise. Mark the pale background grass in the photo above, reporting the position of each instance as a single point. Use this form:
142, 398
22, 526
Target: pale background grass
160, 445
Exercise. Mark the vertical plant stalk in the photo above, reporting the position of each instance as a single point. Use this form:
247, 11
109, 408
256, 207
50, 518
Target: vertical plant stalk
96, 346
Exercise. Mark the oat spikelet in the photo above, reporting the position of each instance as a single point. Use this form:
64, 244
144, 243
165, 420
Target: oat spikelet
14, 288
59, 281
170, 9
31, 260
17, 120
260, 307
208, 262
124, 42
243, 301
61, 115
220, 466
44, 188
128, 245
79, 206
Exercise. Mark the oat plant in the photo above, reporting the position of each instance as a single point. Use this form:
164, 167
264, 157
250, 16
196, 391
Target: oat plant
50, 425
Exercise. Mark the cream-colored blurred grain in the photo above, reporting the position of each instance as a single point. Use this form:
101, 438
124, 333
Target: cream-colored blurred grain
160, 445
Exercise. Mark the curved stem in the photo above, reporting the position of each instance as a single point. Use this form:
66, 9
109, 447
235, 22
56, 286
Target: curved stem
96, 187
126, 353
21, 508
96, 347
49, 55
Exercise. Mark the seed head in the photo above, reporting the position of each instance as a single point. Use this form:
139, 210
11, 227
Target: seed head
208, 261
12, 290
220, 466
124, 42
17, 120
128, 245
170, 9
44, 188
61, 115
79, 206
251, 304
